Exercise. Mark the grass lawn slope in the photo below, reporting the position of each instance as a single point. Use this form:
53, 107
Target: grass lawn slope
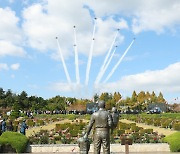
174, 141
16, 140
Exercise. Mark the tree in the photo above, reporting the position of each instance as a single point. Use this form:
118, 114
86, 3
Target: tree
2, 93
117, 96
153, 97
160, 98
134, 96
105, 96
96, 97
141, 97
2, 96
23, 100
110, 103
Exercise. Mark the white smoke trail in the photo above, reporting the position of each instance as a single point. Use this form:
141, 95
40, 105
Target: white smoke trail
76, 58
106, 58
103, 71
117, 64
63, 62
90, 56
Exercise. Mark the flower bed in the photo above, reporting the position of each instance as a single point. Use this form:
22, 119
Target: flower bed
63, 133
68, 133
156, 120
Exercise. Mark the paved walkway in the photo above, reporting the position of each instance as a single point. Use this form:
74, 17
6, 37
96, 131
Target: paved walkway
155, 129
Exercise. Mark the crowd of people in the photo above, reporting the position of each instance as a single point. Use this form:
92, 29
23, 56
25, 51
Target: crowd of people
4, 127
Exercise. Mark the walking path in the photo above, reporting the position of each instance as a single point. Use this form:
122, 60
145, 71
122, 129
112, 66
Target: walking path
155, 129
50, 126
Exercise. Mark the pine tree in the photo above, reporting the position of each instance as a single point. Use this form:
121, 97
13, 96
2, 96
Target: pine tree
153, 97
134, 96
160, 98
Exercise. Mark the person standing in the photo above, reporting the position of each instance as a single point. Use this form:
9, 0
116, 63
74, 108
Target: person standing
3, 125
102, 122
23, 127
0, 127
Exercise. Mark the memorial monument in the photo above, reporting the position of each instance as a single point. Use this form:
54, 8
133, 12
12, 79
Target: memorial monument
103, 122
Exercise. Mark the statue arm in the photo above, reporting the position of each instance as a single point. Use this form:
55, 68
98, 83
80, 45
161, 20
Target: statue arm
89, 127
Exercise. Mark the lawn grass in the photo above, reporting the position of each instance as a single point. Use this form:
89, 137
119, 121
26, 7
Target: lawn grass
174, 141
16, 140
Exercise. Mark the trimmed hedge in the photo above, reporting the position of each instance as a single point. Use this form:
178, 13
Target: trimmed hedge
16, 140
174, 141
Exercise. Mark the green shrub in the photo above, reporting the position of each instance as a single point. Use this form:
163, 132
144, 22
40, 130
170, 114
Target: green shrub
157, 122
44, 139
123, 126
120, 132
39, 122
135, 128
16, 140
74, 132
148, 131
30, 123
149, 121
173, 140
71, 116
55, 119
176, 126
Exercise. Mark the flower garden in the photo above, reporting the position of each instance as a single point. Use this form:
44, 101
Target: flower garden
171, 121
68, 133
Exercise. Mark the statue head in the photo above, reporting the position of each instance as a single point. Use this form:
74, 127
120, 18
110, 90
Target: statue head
114, 109
101, 104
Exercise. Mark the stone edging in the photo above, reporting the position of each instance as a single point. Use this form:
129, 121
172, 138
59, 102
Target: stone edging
69, 148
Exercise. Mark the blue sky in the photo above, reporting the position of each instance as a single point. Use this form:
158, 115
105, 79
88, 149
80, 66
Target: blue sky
30, 59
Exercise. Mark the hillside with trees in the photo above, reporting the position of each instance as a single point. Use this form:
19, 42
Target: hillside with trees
12, 101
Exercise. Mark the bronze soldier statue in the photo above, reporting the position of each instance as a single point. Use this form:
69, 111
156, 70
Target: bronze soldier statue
102, 122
